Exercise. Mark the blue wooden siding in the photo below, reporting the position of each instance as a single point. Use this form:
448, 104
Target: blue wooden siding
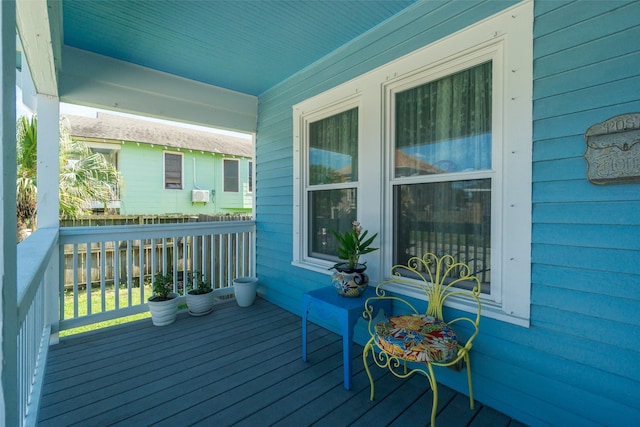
586, 238
578, 362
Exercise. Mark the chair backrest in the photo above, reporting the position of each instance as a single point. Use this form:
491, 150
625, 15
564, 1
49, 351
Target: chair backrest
439, 278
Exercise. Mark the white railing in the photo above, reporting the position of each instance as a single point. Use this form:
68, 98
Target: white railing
106, 272
35, 261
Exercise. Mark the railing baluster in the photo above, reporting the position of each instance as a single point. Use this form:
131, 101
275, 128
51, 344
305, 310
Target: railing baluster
102, 262
220, 260
164, 255
176, 246
116, 272
154, 259
87, 265
229, 255
75, 280
141, 269
220, 251
129, 274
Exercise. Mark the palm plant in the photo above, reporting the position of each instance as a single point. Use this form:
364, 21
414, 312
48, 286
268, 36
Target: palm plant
26, 191
84, 176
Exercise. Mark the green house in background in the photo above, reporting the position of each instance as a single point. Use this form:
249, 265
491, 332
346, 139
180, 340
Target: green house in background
170, 169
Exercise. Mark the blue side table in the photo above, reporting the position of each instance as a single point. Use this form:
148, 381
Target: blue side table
328, 304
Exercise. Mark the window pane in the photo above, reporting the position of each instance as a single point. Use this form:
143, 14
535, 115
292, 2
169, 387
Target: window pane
172, 171
445, 125
231, 175
329, 209
333, 149
445, 218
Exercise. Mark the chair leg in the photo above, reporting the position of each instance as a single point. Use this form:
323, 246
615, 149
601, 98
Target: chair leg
466, 361
434, 388
368, 347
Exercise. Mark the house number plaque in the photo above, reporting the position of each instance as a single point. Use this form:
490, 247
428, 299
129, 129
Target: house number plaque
613, 150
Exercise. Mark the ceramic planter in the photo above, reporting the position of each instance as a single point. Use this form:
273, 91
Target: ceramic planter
164, 312
200, 304
350, 283
244, 289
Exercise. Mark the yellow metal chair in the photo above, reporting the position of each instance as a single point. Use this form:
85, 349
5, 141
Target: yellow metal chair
411, 342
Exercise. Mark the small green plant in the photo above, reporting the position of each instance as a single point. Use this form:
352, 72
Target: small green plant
352, 244
198, 283
162, 287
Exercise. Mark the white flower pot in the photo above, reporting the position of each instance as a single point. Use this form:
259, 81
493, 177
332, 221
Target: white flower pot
200, 304
164, 312
244, 289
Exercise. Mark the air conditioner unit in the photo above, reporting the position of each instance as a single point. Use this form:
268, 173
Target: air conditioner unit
200, 196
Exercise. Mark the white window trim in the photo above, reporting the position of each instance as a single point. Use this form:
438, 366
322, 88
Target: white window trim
301, 172
164, 170
224, 175
507, 38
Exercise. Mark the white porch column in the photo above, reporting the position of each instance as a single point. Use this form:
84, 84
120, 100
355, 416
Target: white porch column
9, 313
48, 112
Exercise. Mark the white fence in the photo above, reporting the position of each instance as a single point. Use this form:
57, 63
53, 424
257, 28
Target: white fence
106, 272
35, 262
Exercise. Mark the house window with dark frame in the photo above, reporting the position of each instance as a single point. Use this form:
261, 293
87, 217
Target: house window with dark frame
231, 171
250, 177
172, 171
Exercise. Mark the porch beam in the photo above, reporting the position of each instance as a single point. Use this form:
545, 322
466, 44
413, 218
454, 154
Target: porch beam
34, 29
98, 81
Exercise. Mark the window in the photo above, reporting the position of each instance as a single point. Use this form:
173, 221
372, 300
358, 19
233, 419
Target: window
172, 171
250, 178
231, 175
443, 164
329, 180
442, 135
332, 171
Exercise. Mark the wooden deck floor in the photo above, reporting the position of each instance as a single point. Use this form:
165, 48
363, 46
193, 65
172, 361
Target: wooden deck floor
235, 366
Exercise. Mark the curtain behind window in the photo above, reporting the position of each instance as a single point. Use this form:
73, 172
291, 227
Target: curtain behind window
444, 128
332, 163
445, 125
333, 149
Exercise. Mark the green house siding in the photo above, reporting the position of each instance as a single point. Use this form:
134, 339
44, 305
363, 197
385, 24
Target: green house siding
143, 192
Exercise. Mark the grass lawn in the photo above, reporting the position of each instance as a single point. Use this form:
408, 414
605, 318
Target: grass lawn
96, 307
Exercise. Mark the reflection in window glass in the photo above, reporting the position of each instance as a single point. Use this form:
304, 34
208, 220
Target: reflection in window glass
231, 175
329, 210
445, 218
445, 125
333, 149
172, 171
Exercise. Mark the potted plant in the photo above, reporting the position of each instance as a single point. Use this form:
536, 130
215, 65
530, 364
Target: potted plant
163, 304
349, 278
200, 297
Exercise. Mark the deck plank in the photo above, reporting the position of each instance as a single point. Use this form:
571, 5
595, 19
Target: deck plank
235, 366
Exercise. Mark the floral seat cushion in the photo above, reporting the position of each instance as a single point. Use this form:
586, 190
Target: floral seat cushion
417, 338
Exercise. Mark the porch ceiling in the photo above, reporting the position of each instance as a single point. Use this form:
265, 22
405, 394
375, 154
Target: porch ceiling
244, 46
